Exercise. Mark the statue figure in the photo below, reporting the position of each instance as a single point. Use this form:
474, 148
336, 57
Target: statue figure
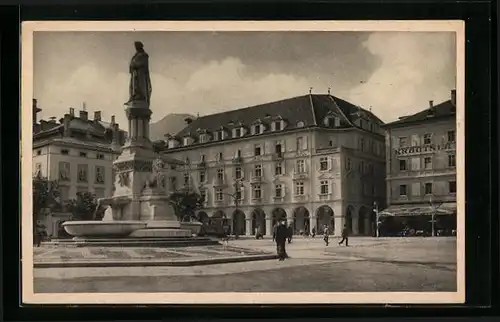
157, 178
140, 83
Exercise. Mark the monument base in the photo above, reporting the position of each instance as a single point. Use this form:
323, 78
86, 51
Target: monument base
161, 232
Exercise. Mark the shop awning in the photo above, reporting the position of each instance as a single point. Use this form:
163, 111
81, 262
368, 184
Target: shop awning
412, 210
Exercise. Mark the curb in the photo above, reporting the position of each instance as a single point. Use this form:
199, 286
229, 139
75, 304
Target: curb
179, 263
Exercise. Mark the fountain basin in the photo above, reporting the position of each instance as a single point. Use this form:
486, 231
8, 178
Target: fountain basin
194, 226
102, 228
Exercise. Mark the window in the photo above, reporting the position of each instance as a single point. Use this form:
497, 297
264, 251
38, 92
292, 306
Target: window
221, 135
278, 169
187, 141
403, 142
278, 191
427, 138
452, 187
402, 190
300, 124
64, 151
238, 153
362, 144
402, 165
220, 174
237, 132
330, 143
277, 149
258, 170
257, 150
100, 156
237, 193
277, 126
203, 176
219, 195
324, 187
323, 163
337, 122
299, 188
203, 195
237, 173
186, 178
203, 138
301, 166
83, 154
203, 158
428, 188
428, 163
300, 143
451, 136
451, 160
257, 192
38, 152
220, 156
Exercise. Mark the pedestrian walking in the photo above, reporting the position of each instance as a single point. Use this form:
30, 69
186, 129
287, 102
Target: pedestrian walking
281, 236
326, 235
313, 232
345, 236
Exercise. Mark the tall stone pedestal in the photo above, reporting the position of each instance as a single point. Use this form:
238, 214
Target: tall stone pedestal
138, 193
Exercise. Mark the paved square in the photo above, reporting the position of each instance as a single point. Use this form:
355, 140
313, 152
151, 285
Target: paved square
368, 264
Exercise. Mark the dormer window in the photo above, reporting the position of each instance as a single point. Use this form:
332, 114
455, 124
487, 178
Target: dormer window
204, 138
237, 132
300, 124
277, 126
337, 121
187, 140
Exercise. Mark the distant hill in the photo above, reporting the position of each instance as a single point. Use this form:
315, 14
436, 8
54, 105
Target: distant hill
171, 123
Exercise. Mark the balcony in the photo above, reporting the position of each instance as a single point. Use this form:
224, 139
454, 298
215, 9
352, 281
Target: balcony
256, 200
422, 173
256, 179
301, 198
299, 175
237, 160
277, 156
201, 165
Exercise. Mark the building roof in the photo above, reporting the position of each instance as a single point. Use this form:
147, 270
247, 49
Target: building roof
297, 112
440, 111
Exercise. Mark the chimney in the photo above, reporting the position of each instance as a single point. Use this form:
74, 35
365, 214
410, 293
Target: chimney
97, 116
431, 104
112, 119
72, 112
65, 122
84, 115
36, 110
454, 97
188, 120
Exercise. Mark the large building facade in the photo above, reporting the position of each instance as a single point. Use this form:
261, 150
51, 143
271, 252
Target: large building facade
421, 166
314, 160
77, 152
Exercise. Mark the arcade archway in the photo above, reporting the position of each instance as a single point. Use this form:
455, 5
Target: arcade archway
279, 214
301, 220
348, 217
219, 218
258, 221
362, 218
325, 217
239, 222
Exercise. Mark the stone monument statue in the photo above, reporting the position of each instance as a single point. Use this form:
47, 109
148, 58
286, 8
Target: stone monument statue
140, 83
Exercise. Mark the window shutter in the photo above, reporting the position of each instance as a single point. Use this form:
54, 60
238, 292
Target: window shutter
329, 163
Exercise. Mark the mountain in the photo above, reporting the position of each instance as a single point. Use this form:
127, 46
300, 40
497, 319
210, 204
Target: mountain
171, 123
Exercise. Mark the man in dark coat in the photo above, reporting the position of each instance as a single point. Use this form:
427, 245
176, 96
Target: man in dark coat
281, 236
345, 236
290, 233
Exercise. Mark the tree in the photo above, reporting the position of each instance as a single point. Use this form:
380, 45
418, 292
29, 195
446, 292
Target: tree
185, 204
45, 196
84, 207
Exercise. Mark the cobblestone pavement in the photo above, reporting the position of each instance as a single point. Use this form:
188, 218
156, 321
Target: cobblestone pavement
369, 264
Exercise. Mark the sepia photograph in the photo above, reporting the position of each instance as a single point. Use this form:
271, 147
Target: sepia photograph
243, 162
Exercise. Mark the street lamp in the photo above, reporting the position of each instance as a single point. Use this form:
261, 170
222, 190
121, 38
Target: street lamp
434, 208
236, 198
375, 209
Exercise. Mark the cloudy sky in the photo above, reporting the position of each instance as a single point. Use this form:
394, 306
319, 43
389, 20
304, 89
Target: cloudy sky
394, 73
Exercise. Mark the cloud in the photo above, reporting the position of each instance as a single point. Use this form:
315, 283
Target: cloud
413, 70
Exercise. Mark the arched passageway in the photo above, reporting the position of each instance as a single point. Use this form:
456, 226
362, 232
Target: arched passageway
279, 214
301, 220
362, 218
325, 217
219, 219
239, 222
258, 221
348, 217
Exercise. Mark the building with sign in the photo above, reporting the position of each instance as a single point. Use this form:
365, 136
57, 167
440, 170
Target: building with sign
77, 152
421, 169
313, 160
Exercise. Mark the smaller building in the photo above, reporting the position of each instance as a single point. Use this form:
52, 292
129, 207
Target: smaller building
78, 153
421, 171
